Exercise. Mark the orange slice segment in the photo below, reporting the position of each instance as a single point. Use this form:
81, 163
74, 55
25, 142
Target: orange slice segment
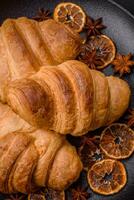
53, 194
33, 196
117, 141
71, 15
98, 52
107, 177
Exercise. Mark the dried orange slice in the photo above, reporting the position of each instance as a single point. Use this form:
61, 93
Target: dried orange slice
90, 152
33, 196
102, 50
117, 141
54, 195
107, 177
71, 15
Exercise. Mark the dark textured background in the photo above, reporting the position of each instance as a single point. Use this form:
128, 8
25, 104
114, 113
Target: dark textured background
120, 28
128, 4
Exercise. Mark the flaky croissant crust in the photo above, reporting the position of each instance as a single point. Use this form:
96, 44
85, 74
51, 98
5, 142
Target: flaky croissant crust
37, 159
26, 45
69, 98
31, 158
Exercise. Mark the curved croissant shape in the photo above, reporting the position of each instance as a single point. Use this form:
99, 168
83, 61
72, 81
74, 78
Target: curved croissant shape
37, 159
32, 158
25, 45
69, 98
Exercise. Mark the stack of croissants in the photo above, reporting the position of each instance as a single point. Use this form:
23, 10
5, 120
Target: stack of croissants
45, 94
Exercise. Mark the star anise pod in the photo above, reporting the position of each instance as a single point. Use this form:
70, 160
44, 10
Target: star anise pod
16, 197
42, 15
90, 151
123, 63
90, 57
94, 27
130, 118
80, 193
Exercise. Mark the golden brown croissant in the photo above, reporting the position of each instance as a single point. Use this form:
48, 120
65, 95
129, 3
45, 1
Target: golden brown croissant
37, 159
11, 122
69, 98
31, 159
25, 45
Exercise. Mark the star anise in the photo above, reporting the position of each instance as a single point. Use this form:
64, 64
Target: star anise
94, 27
90, 151
123, 63
90, 57
42, 15
80, 193
16, 197
130, 118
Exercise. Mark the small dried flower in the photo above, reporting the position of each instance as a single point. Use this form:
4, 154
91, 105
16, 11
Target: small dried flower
80, 194
123, 63
94, 27
42, 15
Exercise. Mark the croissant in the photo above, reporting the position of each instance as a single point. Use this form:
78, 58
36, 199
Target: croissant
32, 158
11, 122
69, 98
25, 45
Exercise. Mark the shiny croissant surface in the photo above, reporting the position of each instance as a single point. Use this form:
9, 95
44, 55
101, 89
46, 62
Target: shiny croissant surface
31, 158
37, 159
26, 45
69, 98
48, 98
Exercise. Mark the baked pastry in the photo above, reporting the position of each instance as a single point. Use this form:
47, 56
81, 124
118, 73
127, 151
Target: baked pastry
11, 122
32, 158
25, 45
69, 98
38, 159
45, 158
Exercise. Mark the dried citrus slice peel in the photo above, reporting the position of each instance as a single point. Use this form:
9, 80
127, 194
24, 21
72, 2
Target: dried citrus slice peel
105, 49
71, 15
117, 141
54, 195
33, 196
107, 177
